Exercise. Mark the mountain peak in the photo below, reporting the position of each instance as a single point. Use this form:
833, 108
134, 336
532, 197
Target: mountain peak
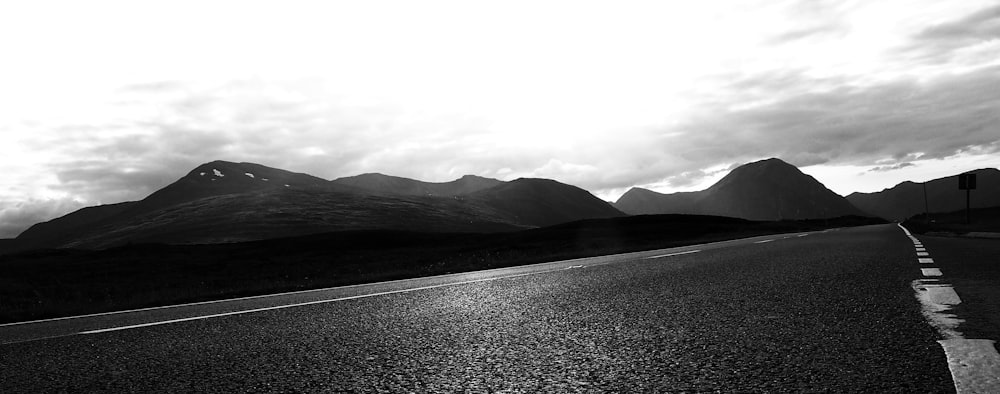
769, 189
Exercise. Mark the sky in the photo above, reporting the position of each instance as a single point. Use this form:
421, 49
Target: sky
108, 101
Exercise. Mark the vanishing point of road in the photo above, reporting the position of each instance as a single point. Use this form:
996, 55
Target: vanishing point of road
822, 311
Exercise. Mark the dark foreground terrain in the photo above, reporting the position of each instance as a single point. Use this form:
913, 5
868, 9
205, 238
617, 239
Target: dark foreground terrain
954, 223
54, 283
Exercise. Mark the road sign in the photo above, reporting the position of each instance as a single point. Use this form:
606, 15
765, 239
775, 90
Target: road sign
967, 182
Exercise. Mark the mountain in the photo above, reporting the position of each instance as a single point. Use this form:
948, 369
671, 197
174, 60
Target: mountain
210, 179
639, 201
764, 190
544, 202
227, 202
907, 199
387, 184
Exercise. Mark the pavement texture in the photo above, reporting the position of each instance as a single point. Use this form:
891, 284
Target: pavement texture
827, 312
972, 266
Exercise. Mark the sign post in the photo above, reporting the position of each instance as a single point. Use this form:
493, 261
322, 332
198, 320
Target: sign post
967, 182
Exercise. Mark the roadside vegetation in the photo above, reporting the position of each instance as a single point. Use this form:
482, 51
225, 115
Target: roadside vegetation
983, 220
54, 283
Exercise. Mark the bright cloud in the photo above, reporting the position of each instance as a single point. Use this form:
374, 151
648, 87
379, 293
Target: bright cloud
107, 101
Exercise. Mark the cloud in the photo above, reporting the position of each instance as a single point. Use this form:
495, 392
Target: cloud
16, 216
825, 30
842, 125
978, 32
891, 167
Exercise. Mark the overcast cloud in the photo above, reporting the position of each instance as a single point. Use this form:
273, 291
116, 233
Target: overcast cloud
668, 97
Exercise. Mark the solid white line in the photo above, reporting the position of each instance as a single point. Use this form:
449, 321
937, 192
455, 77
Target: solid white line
271, 308
974, 365
930, 271
925, 260
671, 254
766, 240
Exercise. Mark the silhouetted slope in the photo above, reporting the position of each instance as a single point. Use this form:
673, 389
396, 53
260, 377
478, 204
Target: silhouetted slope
227, 202
290, 212
764, 190
544, 202
639, 201
222, 177
65, 227
386, 184
907, 199
209, 179
773, 190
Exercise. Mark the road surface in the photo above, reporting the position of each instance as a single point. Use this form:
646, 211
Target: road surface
824, 311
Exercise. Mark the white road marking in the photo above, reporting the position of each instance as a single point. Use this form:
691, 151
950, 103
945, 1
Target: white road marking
935, 312
671, 254
802, 235
271, 308
942, 294
766, 240
930, 271
340, 299
974, 365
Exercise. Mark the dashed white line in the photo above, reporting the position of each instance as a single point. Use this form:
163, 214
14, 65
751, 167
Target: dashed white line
922, 254
766, 240
925, 260
930, 271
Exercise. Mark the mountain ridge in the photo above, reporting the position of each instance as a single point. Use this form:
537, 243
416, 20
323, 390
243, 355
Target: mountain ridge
768, 189
223, 201
906, 198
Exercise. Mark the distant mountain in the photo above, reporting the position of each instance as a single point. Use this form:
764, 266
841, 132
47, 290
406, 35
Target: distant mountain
639, 201
292, 212
227, 202
544, 202
764, 190
387, 184
907, 199
210, 179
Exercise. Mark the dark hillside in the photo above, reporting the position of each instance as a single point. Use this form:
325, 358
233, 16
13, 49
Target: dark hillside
544, 202
386, 184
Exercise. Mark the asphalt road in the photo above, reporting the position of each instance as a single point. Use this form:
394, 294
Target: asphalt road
971, 266
831, 311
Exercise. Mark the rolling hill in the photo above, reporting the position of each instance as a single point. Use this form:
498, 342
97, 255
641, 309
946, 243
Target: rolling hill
544, 202
764, 190
907, 199
387, 184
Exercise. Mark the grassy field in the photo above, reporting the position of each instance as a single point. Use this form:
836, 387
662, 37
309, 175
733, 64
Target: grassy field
982, 220
54, 283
